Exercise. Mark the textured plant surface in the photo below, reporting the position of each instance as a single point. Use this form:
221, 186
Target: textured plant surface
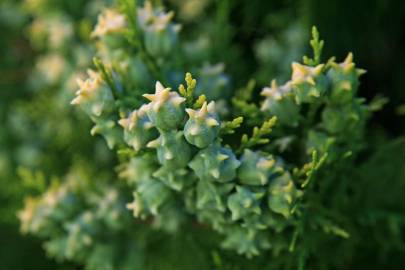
209, 175
40, 136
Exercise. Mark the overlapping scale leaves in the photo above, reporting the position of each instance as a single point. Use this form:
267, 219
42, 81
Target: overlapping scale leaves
179, 164
82, 226
237, 194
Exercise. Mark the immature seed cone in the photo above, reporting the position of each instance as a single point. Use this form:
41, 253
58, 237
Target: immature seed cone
166, 109
149, 198
172, 149
282, 194
215, 163
244, 203
255, 169
138, 129
308, 82
203, 126
280, 102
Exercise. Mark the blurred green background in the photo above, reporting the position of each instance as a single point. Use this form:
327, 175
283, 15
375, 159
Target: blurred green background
43, 43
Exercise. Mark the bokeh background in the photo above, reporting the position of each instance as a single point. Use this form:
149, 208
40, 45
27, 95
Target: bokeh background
43, 44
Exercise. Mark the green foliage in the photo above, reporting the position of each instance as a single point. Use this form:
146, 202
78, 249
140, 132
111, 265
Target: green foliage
228, 127
202, 127
188, 92
283, 178
82, 221
197, 174
258, 134
317, 46
40, 136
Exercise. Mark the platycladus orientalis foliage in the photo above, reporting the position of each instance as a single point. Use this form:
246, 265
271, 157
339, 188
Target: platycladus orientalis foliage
191, 155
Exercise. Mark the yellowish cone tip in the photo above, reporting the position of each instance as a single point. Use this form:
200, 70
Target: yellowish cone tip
162, 95
211, 107
156, 21
124, 122
87, 87
169, 155
302, 73
222, 157
348, 64
191, 113
95, 130
153, 144
133, 206
248, 203
215, 173
274, 83
203, 111
109, 21
318, 69
346, 85
148, 125
360, 71
274, 91
176, 99
265, 163
211, 122
202, 114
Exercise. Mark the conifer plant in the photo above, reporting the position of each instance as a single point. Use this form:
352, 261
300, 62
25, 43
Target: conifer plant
259, 170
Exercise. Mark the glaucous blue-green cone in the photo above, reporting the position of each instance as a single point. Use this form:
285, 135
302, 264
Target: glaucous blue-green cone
211, 195
308, 82
246, 241
172, 149
139, 168
161, 34
215, 163
160, 43
202, 128
336, 119
108, 129
213, 82
263, 221
138, 129
94, 96
279, 101
255, 169
175, 179
282, 194
244, 202
149, 197
166, 108
344, 79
